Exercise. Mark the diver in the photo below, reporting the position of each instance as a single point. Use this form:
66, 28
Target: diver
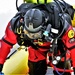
33, 26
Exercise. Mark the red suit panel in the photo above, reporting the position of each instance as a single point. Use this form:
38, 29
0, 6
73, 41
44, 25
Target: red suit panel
40, 53
70, 44
5, 47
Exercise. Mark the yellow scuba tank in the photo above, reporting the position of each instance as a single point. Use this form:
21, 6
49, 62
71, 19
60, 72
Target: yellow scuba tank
73, 21
35, 1
17, 64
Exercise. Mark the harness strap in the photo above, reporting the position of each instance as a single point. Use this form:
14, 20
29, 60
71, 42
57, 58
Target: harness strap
56, 17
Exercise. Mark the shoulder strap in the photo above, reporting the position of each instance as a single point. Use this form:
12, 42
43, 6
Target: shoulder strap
16, 24
13, 22
56, 17
67, 8
26, 6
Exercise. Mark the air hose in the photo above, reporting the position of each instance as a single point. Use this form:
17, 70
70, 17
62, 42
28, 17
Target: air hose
17, 5
59, 69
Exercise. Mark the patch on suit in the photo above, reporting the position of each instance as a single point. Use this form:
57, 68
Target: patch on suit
72, 40
71, 33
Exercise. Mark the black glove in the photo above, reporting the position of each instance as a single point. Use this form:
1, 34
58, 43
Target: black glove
1, 67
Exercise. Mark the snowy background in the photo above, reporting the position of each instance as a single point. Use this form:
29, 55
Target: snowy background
8, 10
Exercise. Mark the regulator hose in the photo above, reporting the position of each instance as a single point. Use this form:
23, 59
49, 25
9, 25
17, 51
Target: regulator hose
59, 69
17, 5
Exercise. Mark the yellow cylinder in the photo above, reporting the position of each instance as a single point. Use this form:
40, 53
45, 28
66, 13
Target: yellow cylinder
73, 21
35, 1
17, 64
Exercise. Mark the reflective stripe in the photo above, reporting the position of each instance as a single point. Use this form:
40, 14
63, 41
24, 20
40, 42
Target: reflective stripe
7, 42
